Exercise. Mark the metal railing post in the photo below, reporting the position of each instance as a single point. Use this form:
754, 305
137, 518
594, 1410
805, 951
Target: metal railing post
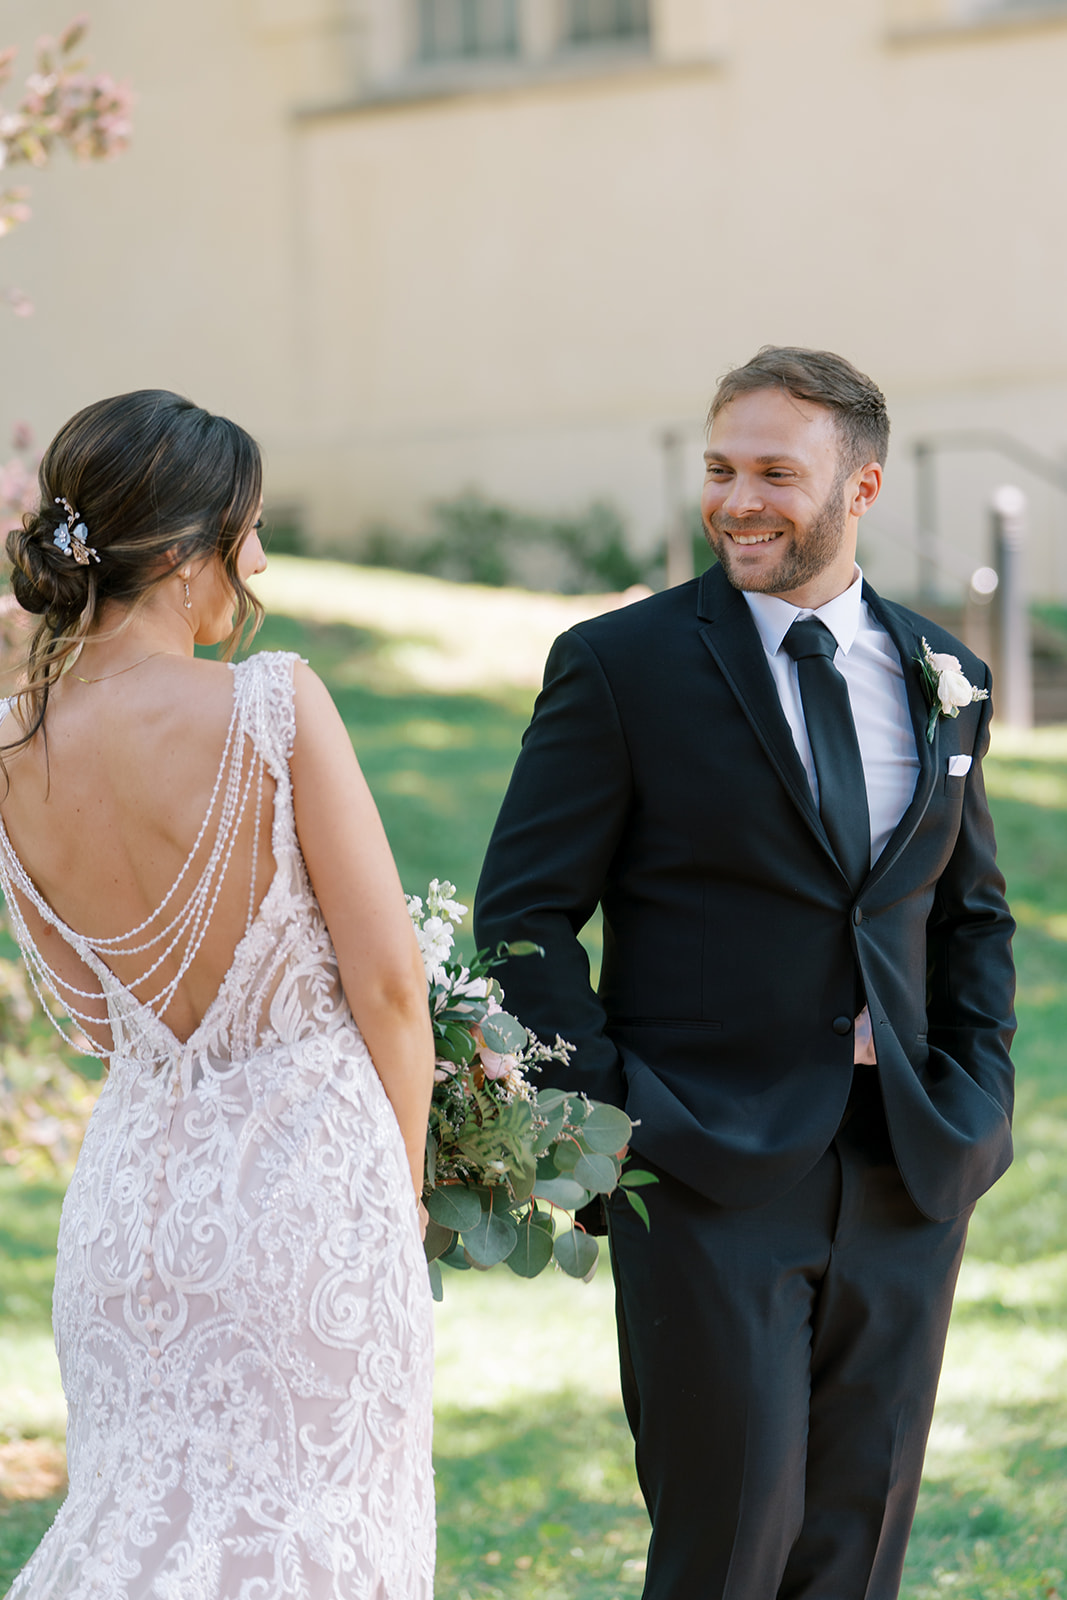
926, 517
978, 612
680, 564
1014, 688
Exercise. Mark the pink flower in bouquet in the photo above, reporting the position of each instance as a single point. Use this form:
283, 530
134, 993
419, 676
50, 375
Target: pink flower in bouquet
494, 1065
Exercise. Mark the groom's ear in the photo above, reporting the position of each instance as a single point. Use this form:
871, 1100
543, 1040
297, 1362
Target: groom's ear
864, 487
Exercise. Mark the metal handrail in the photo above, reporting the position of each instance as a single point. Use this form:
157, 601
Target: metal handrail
1046, 467
931, 554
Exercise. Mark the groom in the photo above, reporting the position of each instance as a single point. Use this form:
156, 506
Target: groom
805, 1001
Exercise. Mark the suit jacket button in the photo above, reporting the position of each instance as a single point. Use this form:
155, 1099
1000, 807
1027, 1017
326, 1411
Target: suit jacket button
857, 915
842, 1025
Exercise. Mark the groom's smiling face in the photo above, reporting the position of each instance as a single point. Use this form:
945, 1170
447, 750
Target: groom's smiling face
779, 509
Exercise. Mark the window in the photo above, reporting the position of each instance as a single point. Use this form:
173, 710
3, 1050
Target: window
589, 21
457, 30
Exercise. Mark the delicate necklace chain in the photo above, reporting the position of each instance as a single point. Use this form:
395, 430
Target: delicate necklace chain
106, 675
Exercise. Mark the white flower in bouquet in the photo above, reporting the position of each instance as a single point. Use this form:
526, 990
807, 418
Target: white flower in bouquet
434, 931
440, 899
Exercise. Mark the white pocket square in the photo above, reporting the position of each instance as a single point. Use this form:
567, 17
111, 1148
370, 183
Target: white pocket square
958, 765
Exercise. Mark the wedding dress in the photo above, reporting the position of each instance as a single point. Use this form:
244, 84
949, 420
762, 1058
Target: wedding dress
241, 1310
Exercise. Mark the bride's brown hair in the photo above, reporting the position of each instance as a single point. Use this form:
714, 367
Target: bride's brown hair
157, 482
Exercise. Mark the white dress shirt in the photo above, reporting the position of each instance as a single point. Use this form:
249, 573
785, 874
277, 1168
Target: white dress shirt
867, 659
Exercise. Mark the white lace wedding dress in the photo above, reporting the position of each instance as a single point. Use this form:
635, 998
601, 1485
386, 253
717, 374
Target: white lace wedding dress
241, 1311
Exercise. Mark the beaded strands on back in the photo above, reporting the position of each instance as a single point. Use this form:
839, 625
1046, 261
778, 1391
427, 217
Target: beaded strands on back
182, 935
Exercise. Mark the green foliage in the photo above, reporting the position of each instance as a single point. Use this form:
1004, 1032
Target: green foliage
283, 533
475, 1131
1053, 617
473, 540
47, 1092
29, 1221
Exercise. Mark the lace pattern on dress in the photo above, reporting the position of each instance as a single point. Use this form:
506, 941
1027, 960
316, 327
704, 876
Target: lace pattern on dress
241, 1310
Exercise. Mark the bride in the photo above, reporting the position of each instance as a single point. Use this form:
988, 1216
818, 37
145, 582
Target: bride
200, 884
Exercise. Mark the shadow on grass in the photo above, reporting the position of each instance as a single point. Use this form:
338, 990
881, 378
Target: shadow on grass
437, 764
996, 1528
538, 1499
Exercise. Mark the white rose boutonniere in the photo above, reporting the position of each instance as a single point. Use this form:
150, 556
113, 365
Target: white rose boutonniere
947, 687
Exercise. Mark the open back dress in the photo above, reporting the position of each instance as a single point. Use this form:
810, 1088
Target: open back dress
241, 1311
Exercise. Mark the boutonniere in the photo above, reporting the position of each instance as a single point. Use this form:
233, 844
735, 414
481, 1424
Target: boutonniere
947, 687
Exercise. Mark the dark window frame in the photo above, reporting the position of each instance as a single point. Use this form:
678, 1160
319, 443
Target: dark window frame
450, 31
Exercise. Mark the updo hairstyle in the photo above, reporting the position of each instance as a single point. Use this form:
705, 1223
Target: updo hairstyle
158, 483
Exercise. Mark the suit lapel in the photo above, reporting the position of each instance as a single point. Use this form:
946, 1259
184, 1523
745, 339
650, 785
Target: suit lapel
908, 643
728, 631
730, 635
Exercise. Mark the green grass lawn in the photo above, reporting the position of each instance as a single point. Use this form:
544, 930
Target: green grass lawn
536, 1492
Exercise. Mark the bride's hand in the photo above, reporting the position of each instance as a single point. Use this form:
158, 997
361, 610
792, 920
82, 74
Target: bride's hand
424, 1219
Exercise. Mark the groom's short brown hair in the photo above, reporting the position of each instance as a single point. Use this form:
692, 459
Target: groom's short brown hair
825, 379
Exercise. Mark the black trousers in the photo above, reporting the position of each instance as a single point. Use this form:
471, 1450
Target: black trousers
779, 1370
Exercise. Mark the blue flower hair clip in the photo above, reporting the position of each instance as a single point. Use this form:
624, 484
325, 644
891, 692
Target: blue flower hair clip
73, 537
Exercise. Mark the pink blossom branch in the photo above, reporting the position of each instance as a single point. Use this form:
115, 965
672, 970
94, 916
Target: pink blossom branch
62, 104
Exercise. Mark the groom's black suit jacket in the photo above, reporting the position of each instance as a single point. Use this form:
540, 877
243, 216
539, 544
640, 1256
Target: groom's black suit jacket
659, 777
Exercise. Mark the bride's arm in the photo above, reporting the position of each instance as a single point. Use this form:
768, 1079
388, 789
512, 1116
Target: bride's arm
355, 881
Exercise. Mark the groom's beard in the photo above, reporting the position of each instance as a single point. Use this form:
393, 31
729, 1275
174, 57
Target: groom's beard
805, 552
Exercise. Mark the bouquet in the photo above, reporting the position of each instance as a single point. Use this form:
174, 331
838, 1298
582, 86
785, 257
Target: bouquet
504, 1160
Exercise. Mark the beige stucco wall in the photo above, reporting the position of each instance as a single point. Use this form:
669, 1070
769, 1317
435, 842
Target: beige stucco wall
519, 287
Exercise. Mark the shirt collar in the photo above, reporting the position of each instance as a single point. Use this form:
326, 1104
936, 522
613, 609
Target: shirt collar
774, 617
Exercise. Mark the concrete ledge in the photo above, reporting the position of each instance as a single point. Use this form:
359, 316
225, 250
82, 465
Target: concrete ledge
432, 85
994, 25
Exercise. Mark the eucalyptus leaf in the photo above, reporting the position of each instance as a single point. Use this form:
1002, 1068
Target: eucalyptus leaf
437, 1288
454, 1206
547, 1137
454, 1043
503, 1033
566, 1154
455, 1257
606, 1129
491, 1240
640, 1207
533, 1251
598, 1173
546, 1165
549, 1099
577, 1253
562, 1192
437, 1240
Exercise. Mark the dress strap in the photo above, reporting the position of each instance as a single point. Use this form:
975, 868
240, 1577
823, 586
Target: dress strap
264, 696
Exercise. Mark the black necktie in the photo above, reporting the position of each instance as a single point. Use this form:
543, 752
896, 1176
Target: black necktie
834, 746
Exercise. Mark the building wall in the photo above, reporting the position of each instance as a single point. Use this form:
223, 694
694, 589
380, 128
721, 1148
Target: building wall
516, 277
